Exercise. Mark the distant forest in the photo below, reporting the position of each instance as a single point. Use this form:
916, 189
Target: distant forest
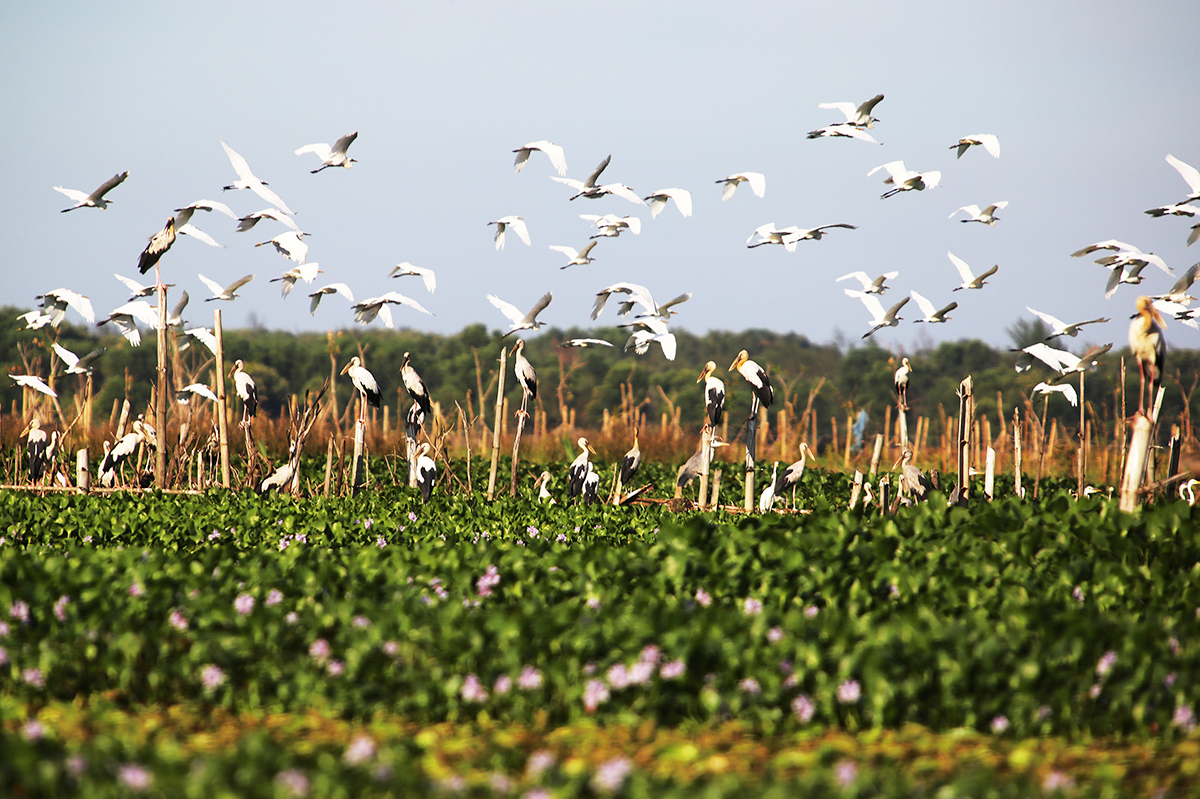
589, 381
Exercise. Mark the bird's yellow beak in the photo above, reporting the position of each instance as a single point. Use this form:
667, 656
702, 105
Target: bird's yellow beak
590, 448
346, 368
514, 349
736, 363
25, 432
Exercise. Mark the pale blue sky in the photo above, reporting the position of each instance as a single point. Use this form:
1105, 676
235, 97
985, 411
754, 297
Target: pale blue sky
1087, 99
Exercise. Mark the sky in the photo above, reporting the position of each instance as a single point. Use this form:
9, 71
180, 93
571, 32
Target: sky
1087, 99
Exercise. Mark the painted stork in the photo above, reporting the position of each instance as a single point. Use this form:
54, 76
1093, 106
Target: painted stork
901, 382
332, 156
414, 385
524, 370
988, 141
40, 448
517, 224
578, 469
1149, 345
555, 153
632, 460
714, 394
756, 376
858, 116
96, 198
247, 180
159, 243
426, 471
243, 384
758, 184
364, 384
521, 321
229, 293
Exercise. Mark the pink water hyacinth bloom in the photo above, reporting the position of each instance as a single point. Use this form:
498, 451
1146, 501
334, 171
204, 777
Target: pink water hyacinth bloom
489, 580
361, 622
360, 750
380, 541
274, 597
611, 775
1094, 691
34, 677
641, 672
1057, 781
76, 765
335, 668
530, 679
775, 634
391, 648
243, 604
672, 670
539, 762
472, 690
595, 693
135, 777
136, 590
650, 654
503, 685
3, 628
849, 692
500, 782
178, 620
752, 606
1173, 644
811, 612
292, 617
537, 793
294, 782
750, 686
319, 650
1169, 680
1077, 592
19, 611
703, 597
593, 602
212, 677
32, 730
60, 607
804, 708
3, 656
617, 676
1185, 718
999, 724
846, 773
1106, 663
412, 517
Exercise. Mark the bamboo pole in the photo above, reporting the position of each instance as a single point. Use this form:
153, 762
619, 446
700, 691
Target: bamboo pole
966, 408
876, 453
1037, 483
705, 454
491, 494
160, 406
521, 416
222, 405
356, 465
989, 474
83, 472
1016, 425
1135, 465
1081, 462
751, 448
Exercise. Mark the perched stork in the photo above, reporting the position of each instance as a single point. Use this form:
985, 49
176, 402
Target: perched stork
414, 385
714, 394
243, 384
578, 469
160, 242
364, 384
756, 376
414, 420
901, 382
524, 371
767, 498
591, 486
555, 153
426, 471
1149, 346
542, 484
758, 184
247, 180
988, 141
792, 474
913, 478
96, 198
281, 477
521, 321
632, 460
332, 156
40, 448
229, 293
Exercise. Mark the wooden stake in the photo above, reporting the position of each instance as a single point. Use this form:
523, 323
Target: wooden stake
1016, 425
160, 406
751, 444
989, 474
222, 405
83, 472
705, 446
491, 494
876, 453
521, 415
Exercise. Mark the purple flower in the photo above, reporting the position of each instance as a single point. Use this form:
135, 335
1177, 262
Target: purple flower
1173, 644
703, 597
1106, 663
593, 602
999, 724
536, 793
391, 648
3, 628
60, 607
3, 656
672, 670
361, 622
539, 761
846, 772
1169, 680
412, 517
472, 690
19, 611
360, 750
775, 634
849, 692
503, 685
1077, 592
490, 579
811, 612
76, 765
34, 677
750, 686
212, 677
611, 775
530, 679
499, 782
274, 598
214, 535
136, 590
380, 541
178, 620
617, 676
791, 681
650, 654
1094, 691
319, 650
335, 668
531, 530
641, 672
751, 606
1184, 717
294, 782
292, 617
1057, 781
134, 777
32, 730
367, 523
243, 604
804, 708
595, 693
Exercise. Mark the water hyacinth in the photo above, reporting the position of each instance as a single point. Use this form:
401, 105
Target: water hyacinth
750, 686
999, 724
178, 620
752, 606
335, 667
391, 648
360, 750
617, 676
19, 611
849, 692
1104, 666
212, 677
293, 782
472, 690
595, 693
489, 580
672, 670
503, 685
846, 772
243, 604
274, 597
804, 708
136, 590
539, 762
319, 650
1184, 718
530, 679
703, 597
34, 677
135, 777
3, 656
4, 629
60, 607
32, 730
611, 775
775, 634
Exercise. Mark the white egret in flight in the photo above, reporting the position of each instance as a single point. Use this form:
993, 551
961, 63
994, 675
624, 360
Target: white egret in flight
247, 180
96, 198
332, 156
869, 286
228, 293
658, 201
905, 179
932, 315
875, 307
520, 321
858, 116
576, 257
555, 153
315, 297
987, 216
986, 140
758, 184
426, 274
970, 281
504, 223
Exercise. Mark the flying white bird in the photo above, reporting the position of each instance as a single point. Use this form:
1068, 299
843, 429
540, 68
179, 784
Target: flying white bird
842, 130
555, 153
137, 288
1178, 292
576, 257
769, 234
932, 315
366, 311
516, 223
879, 317
905, 179
1061, 328
1129, 258
228, 293
1060, 361
612, 225
332, 156
649, 330
591, 190
1108, 244
870, 286
96, 198
1175, 209
970, 281
520, 321
658, 201
250, 220
638, 294
56, 302
758, 184
203, 335
987, 140
175, 317
247, 180
184, 395
987, 216
290, 245
75, 364
183, 218
306, 272
1066, 389
585, 342
315, 297
858, 116
34, 382
1189, 174
426, 274
35, 320
128, 315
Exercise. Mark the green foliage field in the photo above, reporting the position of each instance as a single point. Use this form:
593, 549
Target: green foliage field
229, 644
